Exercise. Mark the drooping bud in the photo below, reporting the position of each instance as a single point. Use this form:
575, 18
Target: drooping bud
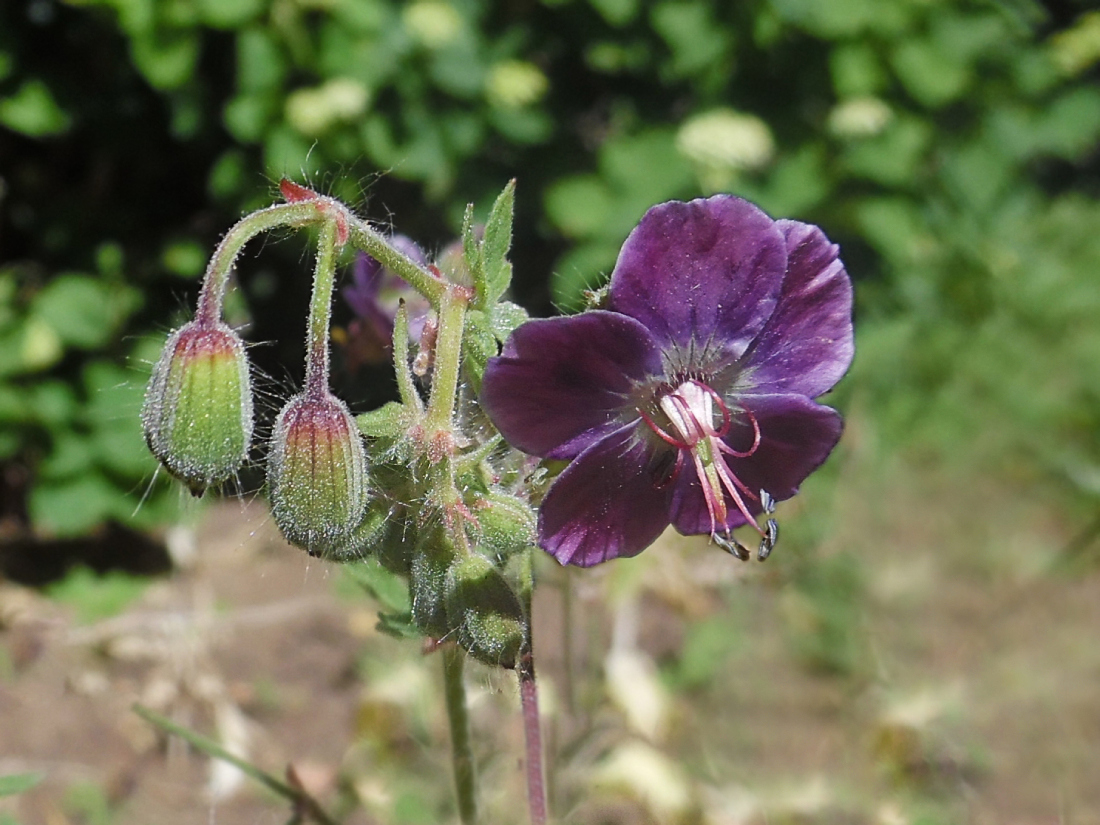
431, 560
317, 473
506, 525
485, 612
197, 415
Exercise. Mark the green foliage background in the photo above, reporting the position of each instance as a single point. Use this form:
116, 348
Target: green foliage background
950, 146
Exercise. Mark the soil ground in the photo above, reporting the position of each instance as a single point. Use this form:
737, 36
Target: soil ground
954, 678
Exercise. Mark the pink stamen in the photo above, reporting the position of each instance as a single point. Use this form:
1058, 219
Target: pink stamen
653, 425
688, 408
755, 440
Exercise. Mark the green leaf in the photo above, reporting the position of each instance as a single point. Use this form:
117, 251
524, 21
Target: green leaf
16, 783
495, 246
504, 318
166, 60
578, 206
932, 75
85, 312
471, 248
697, 43
894, 157
478, 346
32, 111
229, 14
73, 506
390, 421
616, 12
97, 597
388, 589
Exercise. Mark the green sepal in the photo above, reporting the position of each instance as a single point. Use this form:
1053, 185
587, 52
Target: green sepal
506, 525
597, 298
431, 560
372, 532
389, 422
479, 344
485, 612
395, 549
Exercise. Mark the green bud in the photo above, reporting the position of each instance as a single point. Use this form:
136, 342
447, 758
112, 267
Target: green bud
506, 525
428, 580
317, 473
197, 415
485, 612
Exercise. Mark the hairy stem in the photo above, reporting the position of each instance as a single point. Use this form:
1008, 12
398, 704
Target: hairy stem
462, 757
529, 700
221, 263
439, 421
363, 237
320, 310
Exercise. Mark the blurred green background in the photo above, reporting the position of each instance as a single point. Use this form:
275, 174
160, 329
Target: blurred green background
949, 146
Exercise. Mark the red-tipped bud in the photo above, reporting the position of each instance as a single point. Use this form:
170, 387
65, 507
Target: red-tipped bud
317, 472
197, 415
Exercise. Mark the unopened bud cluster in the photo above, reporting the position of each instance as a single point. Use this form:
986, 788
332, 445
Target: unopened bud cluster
425, 503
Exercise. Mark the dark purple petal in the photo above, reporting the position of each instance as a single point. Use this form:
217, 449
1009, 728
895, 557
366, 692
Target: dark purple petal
806, 345
707, 271
797, 435
564, 383
605, 504
366, 279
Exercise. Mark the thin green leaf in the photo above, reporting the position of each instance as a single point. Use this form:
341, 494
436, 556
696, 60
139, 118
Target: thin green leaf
472, 250
495, 246
213, 749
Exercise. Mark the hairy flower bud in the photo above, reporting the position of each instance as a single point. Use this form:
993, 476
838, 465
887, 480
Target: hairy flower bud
197, 415
506, 525
317, 473
485, 612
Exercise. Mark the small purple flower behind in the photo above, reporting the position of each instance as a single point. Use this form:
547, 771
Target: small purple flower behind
374, 295
690, 400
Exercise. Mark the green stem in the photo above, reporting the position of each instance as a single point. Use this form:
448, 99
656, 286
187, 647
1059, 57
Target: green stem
448, 359
454, 660
306, 803
406, 386
221, 263
320, 310
439, 421
361, 236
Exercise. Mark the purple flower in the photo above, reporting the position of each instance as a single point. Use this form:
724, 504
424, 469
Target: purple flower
690, 400
374, 295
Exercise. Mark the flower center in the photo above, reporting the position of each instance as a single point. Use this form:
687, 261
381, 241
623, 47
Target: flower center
691, 412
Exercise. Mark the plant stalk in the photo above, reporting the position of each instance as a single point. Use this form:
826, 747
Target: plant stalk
462, 757
320, 311
221, 263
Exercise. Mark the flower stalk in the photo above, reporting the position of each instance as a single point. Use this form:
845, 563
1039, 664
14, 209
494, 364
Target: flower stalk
221, 262
320, 310
362, 236
462, 755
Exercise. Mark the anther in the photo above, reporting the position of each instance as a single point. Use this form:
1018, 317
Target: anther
768, 540
731, 545
767, 502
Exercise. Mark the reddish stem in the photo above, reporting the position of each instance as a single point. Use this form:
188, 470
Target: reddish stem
532, 732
